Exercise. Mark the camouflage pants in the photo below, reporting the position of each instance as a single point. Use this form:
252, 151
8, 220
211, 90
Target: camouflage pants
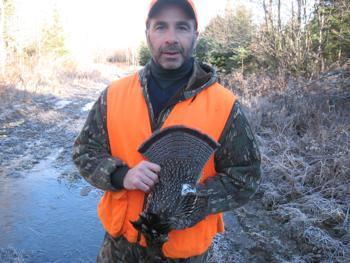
119, 250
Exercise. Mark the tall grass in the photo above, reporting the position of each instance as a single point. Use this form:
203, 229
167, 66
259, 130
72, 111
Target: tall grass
303, 129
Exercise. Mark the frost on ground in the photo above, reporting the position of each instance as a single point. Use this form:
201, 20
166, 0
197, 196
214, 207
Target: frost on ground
300, 214
304, 134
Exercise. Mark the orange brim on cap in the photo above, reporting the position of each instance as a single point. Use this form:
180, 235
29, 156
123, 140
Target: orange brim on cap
190, 2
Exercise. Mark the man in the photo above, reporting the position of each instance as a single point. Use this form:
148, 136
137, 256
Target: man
172, 89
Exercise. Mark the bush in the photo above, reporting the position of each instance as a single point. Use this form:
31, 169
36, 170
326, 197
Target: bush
53, 39
144, 54
226, 41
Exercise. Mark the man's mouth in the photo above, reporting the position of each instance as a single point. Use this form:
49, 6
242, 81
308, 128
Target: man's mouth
171, 54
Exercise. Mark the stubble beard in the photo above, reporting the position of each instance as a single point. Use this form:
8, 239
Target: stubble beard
172, 65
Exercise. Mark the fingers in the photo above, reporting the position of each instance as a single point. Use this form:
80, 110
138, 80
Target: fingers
142, 186
147, 181
150, 171
142, 177
151, 176
151, 166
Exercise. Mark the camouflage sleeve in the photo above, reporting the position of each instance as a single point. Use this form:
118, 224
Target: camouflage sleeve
237, 162
91, 153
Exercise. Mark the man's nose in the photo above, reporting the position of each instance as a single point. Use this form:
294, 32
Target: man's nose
171, 37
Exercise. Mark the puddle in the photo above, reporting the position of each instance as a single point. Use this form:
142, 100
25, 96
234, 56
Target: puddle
46, 219
61, 104
88, 106
14, 124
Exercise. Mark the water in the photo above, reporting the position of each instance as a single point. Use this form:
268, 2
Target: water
88, 106
61, 104
48, 219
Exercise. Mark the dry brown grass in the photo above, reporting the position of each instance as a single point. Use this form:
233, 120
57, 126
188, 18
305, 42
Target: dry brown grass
45, 75
55, 75
34, 75
304, 132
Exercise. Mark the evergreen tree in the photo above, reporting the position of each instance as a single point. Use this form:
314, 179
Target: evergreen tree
53, 40
225, 39
144, 54
330, 31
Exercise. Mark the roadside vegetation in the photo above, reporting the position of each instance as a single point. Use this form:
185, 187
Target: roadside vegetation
30, 65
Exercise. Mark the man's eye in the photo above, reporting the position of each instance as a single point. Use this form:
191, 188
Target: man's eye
159, 27
183, 28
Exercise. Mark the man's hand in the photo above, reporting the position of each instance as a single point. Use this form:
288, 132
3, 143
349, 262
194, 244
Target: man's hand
142, 177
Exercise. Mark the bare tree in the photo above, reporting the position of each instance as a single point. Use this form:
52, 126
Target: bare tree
2, 40
279, 16
320, 17
265, 15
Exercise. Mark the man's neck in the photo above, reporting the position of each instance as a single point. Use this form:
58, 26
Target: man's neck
170, 76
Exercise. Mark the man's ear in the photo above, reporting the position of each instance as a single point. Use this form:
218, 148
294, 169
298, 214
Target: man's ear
196, 33
147, 36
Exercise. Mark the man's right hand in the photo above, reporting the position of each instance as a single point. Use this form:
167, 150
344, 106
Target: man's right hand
142, 177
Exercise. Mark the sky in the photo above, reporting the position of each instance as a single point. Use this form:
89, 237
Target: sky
118, 23
98, 25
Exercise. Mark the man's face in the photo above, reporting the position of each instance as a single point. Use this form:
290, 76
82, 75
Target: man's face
171, 37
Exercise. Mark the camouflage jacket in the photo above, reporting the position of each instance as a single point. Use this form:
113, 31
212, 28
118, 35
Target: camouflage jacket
237, 160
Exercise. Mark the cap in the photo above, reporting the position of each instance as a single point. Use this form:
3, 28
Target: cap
188, 6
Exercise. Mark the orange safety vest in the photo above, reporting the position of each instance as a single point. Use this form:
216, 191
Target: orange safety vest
128, 127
